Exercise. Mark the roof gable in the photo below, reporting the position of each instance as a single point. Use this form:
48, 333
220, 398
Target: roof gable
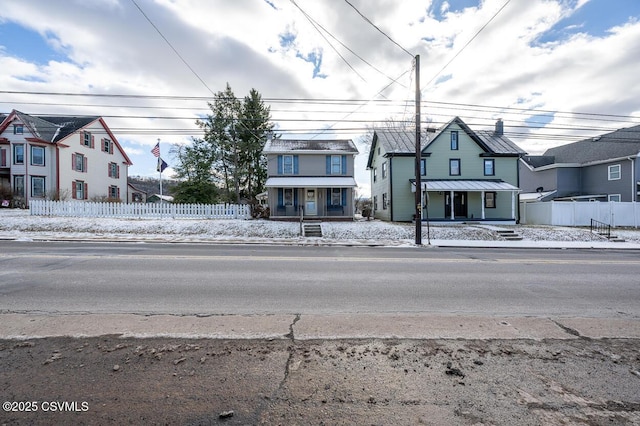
620, 143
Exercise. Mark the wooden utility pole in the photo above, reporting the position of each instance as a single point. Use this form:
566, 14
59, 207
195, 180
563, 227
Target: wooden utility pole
418, 158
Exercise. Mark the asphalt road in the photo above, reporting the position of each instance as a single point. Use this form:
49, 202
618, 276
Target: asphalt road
67, 277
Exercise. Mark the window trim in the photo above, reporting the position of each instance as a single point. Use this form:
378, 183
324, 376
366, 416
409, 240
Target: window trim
611, 196
384, 169
337, 164
385, 201
455, 144
611, 173
18, 129
44, 186
32, 156
16, 191
423, 167
493, 166
336, 192
375, 174
451, 162
285, 167
15, 153
494, 196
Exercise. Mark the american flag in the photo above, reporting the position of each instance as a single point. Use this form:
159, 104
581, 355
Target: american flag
156, 150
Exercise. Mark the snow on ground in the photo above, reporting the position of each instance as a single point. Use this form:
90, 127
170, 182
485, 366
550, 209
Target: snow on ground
19, 224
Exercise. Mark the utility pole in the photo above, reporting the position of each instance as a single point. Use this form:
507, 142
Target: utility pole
418, 155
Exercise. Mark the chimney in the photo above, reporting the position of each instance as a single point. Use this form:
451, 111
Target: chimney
499, 127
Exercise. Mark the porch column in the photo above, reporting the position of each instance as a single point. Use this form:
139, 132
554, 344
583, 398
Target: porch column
453, 207
482, 203
513, 205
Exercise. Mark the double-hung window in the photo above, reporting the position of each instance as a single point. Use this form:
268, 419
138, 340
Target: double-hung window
454, 167
18, 185
336, 196
37, 186
615, 172
384, 170
423, 167
336, 165
107, 146
79, 190
37, 156
114, 170
79, 162
287, 164
490, 200
18, 154
18, 129
86, 139
114, 192
489, 167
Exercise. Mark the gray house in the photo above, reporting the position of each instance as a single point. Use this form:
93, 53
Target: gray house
604, 168
310, 177
465, 174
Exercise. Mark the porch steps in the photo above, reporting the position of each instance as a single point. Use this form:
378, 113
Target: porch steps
509, 235
312, 229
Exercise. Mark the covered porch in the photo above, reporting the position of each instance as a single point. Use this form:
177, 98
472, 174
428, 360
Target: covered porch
311, 198
460, 200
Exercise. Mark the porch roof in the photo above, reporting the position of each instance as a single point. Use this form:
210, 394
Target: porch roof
311, 182
464, 185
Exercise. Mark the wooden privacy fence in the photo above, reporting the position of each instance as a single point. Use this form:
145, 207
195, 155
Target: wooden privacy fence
139, 210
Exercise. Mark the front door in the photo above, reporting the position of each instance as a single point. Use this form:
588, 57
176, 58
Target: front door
311, 202
459, 205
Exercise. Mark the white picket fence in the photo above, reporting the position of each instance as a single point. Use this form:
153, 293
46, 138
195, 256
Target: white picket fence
575, 213
139, 210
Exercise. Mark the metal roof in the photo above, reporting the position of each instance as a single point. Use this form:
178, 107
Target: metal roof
311, 182
465, 185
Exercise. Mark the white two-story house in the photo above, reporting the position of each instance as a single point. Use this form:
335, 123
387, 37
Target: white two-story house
313, 178
54, 157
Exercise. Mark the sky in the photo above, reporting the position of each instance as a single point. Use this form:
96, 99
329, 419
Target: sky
555, 71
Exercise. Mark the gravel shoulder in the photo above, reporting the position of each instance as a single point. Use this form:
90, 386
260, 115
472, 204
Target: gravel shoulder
114, 380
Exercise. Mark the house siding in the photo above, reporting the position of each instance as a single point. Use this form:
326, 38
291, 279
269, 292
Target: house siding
380, 186
596, 179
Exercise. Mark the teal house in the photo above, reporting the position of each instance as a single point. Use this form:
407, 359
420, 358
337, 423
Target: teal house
466, 175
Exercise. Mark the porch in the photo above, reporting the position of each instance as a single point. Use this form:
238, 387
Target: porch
310, 198
469, 200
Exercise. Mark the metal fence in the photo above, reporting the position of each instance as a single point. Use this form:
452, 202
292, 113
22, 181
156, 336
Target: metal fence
139, 210
576, 213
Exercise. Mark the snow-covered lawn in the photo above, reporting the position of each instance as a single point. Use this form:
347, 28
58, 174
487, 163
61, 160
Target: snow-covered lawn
19, 224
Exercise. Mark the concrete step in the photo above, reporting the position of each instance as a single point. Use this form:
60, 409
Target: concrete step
509, 235
312, 230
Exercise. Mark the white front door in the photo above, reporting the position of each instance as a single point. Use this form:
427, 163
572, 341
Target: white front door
310, 202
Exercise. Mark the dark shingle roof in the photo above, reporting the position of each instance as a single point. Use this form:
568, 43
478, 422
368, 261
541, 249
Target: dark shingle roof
53, 128
538, 160
618, 144
399, 141
498, 144
287, 145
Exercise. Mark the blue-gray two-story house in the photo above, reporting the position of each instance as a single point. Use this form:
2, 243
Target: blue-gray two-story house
313, 178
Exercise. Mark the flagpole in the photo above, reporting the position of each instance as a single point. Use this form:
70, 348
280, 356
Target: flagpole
160, 170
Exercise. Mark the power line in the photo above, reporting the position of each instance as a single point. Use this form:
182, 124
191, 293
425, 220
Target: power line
173, 48
467, 44
378, 28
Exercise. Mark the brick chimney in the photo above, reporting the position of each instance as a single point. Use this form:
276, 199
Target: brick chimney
499, 128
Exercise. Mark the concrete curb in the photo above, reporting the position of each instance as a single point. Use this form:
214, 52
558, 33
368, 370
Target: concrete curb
22, 326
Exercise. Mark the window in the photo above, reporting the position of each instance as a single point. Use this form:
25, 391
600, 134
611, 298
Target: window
384, 201
37, 186
336, 197
490, 200
3, 158
114, 170
79, 189
375, 174
614, 172
18, 154
336, 165
454, 140
288, 196
18, 185
107, 146
37, 156
375, 202
114, 192
287, 164
489, 167
384, 170
18, 129
79, 162
423, 167
87, 139
454, 167
614, 198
